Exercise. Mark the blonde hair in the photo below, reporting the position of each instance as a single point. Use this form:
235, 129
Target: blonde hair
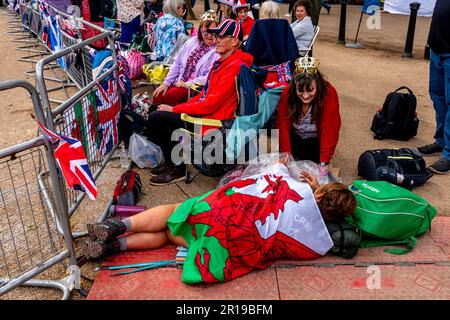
269, 10
171, 6
337, 201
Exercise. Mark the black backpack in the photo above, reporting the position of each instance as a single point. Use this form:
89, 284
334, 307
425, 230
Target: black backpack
403, 167
398, 118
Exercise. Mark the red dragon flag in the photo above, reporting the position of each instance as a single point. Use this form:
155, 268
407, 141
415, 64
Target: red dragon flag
72, 160
248, 224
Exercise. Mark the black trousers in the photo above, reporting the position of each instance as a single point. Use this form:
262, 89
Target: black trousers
161, 124
305, 149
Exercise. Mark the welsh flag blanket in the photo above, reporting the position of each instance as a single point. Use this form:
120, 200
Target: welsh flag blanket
247, 225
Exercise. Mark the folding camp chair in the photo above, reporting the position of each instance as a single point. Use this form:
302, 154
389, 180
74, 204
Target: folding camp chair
273, 61
316, 32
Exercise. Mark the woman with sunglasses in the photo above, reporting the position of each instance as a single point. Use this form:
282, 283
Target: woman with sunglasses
308, 115
191, 65
168, 27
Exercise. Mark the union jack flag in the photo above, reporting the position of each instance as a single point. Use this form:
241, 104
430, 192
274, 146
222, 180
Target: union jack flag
108, 108
72, 160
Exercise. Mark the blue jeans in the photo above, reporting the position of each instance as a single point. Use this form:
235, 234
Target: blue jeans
440, 95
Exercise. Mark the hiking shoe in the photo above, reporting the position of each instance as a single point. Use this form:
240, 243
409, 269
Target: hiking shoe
170, 175
442, 166
107, 230
98, 249
430, 149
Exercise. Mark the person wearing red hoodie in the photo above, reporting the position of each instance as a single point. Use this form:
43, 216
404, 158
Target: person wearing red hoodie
308, 115
218, 99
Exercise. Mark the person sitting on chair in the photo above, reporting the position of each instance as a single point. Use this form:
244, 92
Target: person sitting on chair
303, 28
218, 99
246, 22
246, 224
168, 27
308, 115
191, 65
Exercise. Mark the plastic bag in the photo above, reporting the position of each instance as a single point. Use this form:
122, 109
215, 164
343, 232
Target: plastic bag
155, 74
265, 161
144, 153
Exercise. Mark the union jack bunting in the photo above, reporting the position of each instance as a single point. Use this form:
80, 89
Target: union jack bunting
72, 161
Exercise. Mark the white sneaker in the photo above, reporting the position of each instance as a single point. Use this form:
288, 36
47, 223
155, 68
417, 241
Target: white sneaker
287, 14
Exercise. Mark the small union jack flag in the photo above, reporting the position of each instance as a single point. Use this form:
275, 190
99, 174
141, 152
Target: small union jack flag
72, 160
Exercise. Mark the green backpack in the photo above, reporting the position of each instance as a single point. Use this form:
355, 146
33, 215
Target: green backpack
387, 214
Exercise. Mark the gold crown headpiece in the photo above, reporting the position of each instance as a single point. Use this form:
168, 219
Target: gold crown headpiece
209, 15
307, 64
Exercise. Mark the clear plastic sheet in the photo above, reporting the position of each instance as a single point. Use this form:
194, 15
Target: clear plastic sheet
265, 161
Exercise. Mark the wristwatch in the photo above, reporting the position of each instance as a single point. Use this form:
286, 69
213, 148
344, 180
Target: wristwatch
324, 163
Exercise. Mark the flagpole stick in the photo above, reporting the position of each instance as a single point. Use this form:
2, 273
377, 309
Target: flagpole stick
356, 45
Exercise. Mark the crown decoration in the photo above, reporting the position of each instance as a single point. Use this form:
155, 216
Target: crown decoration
306, 64
209, 15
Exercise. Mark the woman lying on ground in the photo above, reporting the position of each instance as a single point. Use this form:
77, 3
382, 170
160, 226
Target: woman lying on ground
308, 115
244, 225
191, 65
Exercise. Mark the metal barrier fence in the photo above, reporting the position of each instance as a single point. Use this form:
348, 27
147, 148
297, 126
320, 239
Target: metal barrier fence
29, 239
91, 115
44, 203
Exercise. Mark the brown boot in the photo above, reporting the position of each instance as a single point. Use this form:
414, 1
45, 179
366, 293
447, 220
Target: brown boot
170, 175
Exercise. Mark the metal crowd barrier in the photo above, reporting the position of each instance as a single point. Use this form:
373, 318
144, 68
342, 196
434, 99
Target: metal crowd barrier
47, 199
29, 240
76, 116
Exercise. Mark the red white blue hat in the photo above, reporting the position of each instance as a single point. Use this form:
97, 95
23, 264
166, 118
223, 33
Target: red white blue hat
241, 4
228, 27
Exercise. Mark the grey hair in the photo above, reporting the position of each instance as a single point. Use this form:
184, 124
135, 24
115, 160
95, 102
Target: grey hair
171, 6
269, 10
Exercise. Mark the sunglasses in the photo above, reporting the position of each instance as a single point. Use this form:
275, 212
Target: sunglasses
308, 70
219, 38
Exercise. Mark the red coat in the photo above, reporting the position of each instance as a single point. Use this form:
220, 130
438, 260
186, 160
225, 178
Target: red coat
327, 127
247, 25
221, 97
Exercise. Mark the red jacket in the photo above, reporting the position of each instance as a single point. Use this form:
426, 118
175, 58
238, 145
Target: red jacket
328, 125
221, 97
247, 25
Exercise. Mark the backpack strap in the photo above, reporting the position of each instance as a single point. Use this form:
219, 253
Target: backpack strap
409, 242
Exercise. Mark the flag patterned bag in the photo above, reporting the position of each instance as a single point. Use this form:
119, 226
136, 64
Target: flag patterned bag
135, 62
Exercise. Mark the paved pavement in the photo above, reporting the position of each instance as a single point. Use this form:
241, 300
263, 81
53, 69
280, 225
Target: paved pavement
362, 78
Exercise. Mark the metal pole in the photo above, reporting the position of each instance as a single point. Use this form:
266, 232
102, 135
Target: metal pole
342, 21
411, 29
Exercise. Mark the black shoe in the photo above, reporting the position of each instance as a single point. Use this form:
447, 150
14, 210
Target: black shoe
328, 10
171, 175
430, 149
107, 230
442, 166
98, 249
